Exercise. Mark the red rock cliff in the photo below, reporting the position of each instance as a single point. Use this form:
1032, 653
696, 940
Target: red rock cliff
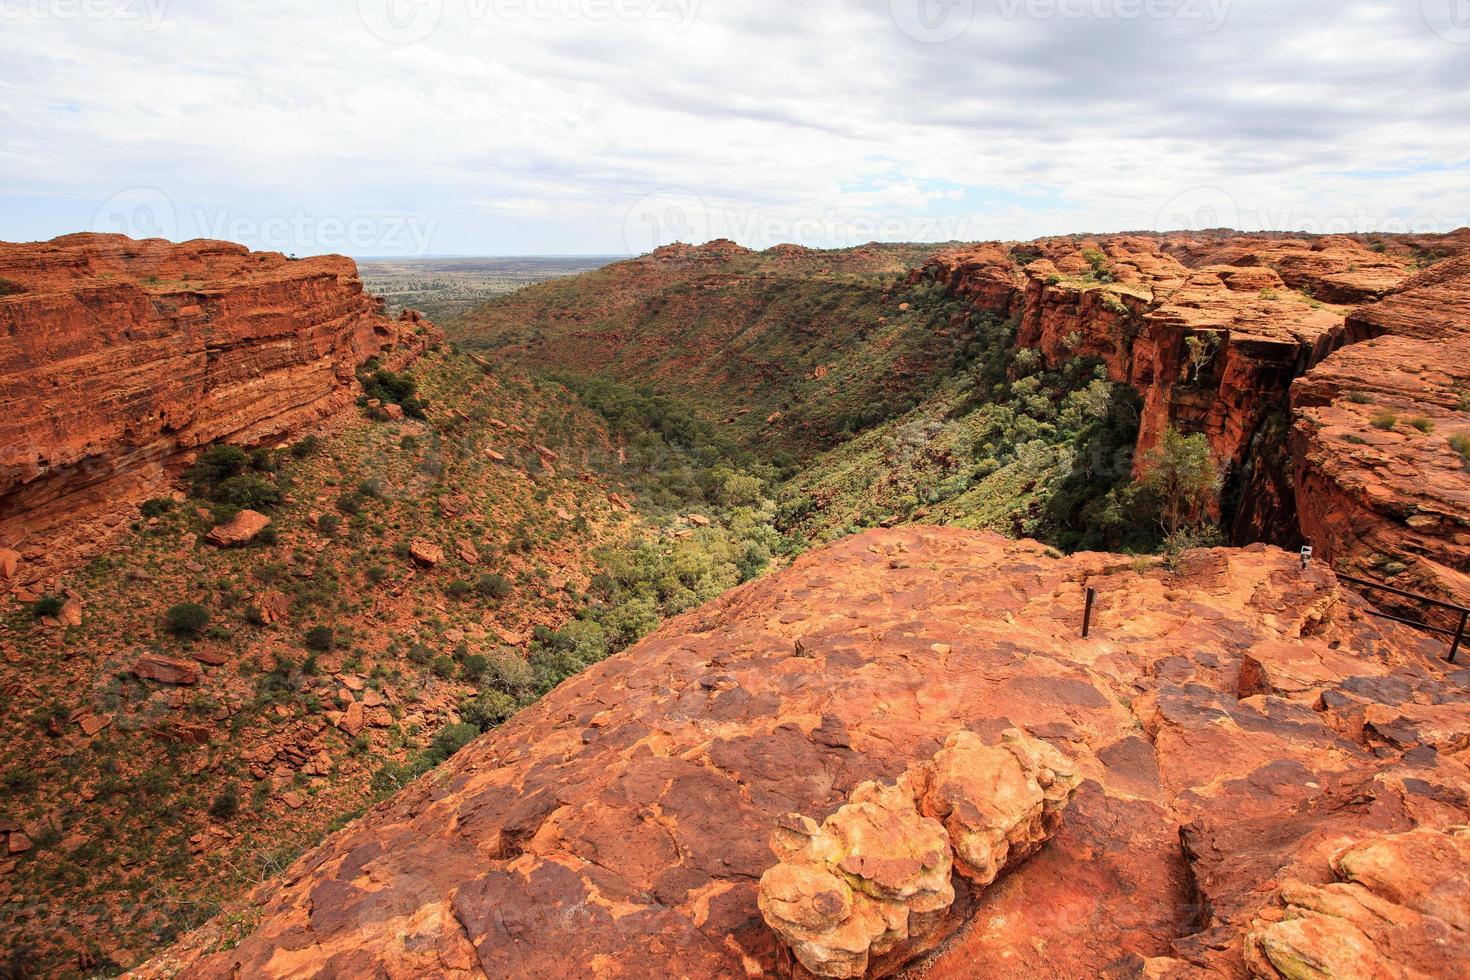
119, 358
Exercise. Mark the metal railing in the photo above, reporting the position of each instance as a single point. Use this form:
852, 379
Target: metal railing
1457, 635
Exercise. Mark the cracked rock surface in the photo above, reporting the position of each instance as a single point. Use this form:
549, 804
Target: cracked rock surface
621, 827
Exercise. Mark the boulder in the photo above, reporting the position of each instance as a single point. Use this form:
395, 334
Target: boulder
426, 554
9, 564
238, 530
165, 670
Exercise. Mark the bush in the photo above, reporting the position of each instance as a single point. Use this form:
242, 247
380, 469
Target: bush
493, 586
187, 619
376, 574
214, 466
1422, 424
459, 589
444, 667
488, 710
1460, 443
349, 503
1385, 421
226, 804
47, 606
157, 507
306, 447
10, 288
474, 667
328, 524
320, 638
449, 741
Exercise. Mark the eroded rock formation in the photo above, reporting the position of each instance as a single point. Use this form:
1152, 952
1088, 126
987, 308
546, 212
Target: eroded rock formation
871, 888
119, 358
1233, 724
1399, 907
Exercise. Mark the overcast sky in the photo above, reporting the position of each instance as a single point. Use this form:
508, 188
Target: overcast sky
493, 127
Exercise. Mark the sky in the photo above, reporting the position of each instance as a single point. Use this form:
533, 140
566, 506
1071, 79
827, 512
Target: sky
413, 128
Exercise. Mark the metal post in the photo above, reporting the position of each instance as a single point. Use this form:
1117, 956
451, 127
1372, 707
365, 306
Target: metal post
1087, 615
1460, 635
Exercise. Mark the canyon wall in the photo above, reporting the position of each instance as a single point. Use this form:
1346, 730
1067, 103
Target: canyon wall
120, 358
1213, 330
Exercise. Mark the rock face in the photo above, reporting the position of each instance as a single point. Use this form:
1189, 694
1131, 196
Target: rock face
1381, 443
870, 889
119, 358
621, 826
1400, 907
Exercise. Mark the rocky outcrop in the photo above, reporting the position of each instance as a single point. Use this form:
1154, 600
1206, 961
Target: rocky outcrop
239, 530
1381, 446
620, 827
871, 888
1399, 907
120, 358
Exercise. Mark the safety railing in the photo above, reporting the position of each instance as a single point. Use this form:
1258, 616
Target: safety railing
1457, 635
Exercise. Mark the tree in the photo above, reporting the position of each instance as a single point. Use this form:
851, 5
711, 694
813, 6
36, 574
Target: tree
1181, 474
187, 619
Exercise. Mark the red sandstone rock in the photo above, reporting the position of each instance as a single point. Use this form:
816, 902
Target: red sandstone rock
624, 819
426, 554
1400, 907
119, 358
239, 530
165, 670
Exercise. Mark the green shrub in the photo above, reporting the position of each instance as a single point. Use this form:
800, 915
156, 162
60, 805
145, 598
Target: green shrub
1460, 443
226, 804
493, 586
449, 741
376, 574
474, 667
157, 507
349, 503
1422, 424
444, 667
320, 639
488, 710
328, 524
306, 447
187, 619
49, 605
1385, 421
214, 466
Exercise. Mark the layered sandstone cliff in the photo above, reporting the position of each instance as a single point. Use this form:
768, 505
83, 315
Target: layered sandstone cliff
1230, 726
119, 358
1381, 444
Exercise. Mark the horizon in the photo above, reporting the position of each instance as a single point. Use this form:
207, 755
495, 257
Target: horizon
499, 128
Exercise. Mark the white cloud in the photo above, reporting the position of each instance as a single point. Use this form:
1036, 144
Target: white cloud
602, 126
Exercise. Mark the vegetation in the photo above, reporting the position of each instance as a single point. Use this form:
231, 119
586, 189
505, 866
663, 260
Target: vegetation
1181, 475
1385, 421
187, 619
1460, 443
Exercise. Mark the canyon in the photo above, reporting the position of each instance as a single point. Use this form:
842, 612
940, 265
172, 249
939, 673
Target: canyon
896, 753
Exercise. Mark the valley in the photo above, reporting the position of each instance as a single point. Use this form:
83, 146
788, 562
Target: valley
544, 579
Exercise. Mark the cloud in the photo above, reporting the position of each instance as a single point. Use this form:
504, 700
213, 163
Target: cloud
606, 126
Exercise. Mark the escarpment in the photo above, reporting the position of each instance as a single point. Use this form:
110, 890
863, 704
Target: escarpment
1233, 336
120, 358
1229, 726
